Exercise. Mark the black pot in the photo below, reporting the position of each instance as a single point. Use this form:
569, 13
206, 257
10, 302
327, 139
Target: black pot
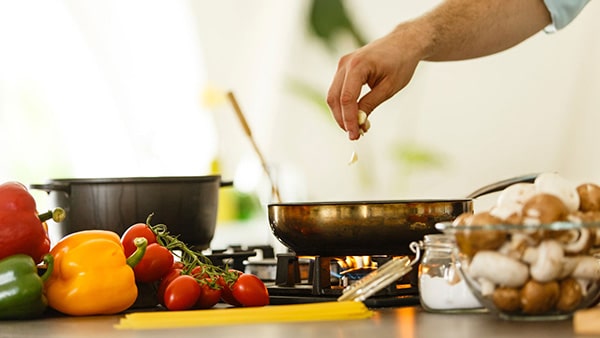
187, 205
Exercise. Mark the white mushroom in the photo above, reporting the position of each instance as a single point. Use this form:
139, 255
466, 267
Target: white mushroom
545, 260
568, 266
578, 240
498, 269
554, 184
518, 243
486, 287
511, 200
587, 267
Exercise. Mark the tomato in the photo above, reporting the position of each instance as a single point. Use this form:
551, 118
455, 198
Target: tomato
136, 230
226, 294
182, 293
209, 297
249, 290
157, 261
198, 272
164, 282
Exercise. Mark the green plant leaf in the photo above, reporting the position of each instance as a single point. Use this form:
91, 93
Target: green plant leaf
328, 18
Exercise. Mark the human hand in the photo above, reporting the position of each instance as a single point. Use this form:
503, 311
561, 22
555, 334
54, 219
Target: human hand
386, 65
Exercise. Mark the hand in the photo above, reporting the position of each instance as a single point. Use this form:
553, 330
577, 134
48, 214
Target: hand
386, 65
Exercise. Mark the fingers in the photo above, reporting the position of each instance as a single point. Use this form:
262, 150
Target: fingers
343, 96
333, 95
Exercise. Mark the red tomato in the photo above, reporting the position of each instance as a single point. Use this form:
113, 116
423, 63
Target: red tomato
136, 230
157, 261
249, 290
226, 294
164, 282
178, 265
198, 272
182, 293
209, 297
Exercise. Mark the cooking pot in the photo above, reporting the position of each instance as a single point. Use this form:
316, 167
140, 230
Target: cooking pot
361, 228
186, 204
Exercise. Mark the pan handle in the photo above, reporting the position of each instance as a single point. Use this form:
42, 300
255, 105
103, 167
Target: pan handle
500, 185
52, 186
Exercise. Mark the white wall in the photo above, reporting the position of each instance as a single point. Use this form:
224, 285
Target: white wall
532, 108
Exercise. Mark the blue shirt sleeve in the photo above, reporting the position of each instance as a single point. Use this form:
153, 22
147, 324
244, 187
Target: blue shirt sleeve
562, 12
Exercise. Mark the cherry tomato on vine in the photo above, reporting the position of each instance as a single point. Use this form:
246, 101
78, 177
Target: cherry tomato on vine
136, 230
209, 296
226, 294
164, 282
199, 272
182, 293
249, 290
178, 265
157, 262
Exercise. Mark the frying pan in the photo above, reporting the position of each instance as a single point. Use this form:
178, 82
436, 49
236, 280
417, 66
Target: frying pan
361, 228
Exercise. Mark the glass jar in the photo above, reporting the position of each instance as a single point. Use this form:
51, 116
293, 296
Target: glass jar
440, 287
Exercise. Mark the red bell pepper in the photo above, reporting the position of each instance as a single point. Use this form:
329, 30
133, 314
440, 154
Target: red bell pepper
21, 228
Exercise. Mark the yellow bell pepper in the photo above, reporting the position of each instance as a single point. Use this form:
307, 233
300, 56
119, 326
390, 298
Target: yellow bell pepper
91, 274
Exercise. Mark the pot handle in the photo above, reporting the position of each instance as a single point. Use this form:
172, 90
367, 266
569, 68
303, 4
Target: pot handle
500, 185
226, 184
52, 186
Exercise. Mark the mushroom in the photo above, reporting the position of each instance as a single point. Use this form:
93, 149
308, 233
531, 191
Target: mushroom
545, 260
507, 299
589, 197
538, 298
568, 266
498, 269
544, 209
516, 193
509, 214
587, 267
470, 241
575, 241
570, 296
510, 202
486, 287
518, 243
581, 217
554, 184
462, 219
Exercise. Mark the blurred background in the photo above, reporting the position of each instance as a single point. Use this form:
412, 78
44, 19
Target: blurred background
136, 88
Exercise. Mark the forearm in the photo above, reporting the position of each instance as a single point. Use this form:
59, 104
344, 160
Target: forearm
463, 29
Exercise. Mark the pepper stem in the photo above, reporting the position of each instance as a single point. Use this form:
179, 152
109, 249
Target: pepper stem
141, 243
57, 215
49, 261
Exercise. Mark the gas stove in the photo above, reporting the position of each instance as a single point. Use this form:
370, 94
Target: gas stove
292, 279
320, 279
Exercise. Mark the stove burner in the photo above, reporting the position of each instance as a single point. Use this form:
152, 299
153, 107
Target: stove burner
323, 283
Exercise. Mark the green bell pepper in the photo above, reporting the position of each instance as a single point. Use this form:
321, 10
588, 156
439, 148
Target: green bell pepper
22, 288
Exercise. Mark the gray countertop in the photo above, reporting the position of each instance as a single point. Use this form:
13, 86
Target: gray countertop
403, 322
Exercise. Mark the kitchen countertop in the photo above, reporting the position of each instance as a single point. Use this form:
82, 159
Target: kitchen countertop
402, 322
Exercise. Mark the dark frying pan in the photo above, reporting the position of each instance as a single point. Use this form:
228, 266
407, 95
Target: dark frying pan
360, 228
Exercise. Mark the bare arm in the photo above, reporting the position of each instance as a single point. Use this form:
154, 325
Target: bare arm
463, 29
454, 30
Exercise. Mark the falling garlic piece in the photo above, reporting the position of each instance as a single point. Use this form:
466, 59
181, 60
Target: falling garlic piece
353, 158
364, 125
